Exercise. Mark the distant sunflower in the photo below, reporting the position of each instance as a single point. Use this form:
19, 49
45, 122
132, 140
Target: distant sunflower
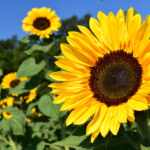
41, 22
35, 112
29, 96
7, 115
106, 72
11, 80
6, 102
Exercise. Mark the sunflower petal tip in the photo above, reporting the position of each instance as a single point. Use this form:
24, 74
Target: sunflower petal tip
92, 140
88, 132
79, 26
131, 9
68, 122
104, 134
91, 20
62, 45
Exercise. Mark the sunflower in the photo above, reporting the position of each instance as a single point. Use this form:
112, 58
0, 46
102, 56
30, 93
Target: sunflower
11, 80
7, 115
8, 101
41, 22
35, 112
29, 96
105, 74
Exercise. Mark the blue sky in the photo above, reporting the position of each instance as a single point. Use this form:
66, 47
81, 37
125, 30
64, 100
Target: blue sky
13, 11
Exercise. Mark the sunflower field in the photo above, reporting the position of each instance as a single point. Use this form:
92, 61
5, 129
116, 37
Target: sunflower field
76, 84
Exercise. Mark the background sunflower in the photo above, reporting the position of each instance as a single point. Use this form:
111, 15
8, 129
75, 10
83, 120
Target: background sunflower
41, 22
11, 80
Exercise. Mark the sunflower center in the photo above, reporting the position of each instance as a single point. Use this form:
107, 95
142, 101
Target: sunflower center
25, 95
14, 83
115, 77
41, 23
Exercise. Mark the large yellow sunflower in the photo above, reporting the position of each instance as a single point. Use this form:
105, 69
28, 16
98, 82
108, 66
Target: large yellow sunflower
41, 22
106, 72
11, 80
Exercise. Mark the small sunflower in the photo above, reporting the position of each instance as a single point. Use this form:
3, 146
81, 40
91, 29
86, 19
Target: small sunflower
11, 80
41, 22
8, 101
35, 112
7, 115
106, 72
29, 96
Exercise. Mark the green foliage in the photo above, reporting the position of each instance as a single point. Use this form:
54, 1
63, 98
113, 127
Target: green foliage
16, 123
46, 106
71, 142
40, 48
38, 124
29, 67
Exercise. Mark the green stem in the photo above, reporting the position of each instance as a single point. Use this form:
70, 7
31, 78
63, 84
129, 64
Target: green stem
4, 140
66, 148
12, 144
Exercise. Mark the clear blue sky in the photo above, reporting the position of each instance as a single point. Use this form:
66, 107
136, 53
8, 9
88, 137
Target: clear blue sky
13, 11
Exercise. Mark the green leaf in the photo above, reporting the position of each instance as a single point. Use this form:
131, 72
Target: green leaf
16, 122
1, 72
4, 126
25, 40
30, 68
40, 48
18, 89
71, 141
29, 109
144, 148
143, 124
46, 106
41, 146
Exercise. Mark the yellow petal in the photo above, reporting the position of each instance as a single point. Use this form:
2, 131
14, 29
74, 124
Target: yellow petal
138, 103
130, 114
59, 99
145, 60
80, 42
75, 114
122, 114
97, 119
134, 24
72, 67
82, 119
113, 31
72, 55
76, 101
114, 126
62, 76
94, 136
99, 48
105, 125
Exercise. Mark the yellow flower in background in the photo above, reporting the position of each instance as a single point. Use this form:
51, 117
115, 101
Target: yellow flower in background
11, 80
105, 74
35, 112
8, 101
7, 115
29, 96
41, 22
